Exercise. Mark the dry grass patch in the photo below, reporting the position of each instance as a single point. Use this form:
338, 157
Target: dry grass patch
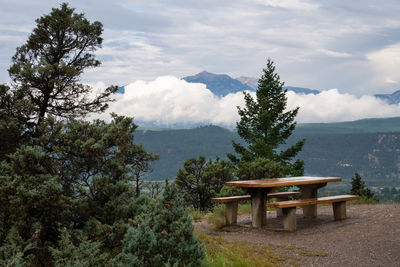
217, 216
223, 252
300, 250
197, 214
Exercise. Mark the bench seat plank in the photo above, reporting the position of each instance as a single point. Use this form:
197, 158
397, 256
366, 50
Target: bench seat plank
230, 199
330, 199
247, 197
312, 201
293, 203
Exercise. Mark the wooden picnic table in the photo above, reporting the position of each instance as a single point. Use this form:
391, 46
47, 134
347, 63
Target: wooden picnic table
258, 190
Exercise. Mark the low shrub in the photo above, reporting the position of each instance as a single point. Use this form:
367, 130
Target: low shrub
217, 216
163, 236
197, 214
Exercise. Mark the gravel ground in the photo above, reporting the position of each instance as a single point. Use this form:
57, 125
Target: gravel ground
370, 236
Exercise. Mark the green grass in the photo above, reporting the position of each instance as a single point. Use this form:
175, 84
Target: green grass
244, 208
197, 214
225, 253
364, 200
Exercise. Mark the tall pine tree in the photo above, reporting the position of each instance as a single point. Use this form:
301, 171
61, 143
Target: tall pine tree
47, 68
265, 125
65, 183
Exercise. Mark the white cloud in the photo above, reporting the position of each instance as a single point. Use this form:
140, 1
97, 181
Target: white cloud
333, 106
168, 101
389, 80
386, 62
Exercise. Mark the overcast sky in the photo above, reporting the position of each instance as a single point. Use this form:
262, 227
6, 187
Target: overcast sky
350, 45
353, 46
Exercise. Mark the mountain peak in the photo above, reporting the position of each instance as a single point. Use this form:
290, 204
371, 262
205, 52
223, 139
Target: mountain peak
219, 84
204, 72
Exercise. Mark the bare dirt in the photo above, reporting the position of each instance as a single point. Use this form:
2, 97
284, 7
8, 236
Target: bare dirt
370, 236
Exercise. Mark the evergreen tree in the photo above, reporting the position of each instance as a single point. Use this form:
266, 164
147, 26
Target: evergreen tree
358, 188
79, 177
65, 183
163, 236
46, 69
86, 254
32, 201
199, 180
259, 167
96, 163
265, 125
14, 108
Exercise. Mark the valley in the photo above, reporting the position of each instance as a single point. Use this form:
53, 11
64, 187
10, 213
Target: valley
370, 147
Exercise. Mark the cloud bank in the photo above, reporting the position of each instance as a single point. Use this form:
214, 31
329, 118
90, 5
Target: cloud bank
168, 101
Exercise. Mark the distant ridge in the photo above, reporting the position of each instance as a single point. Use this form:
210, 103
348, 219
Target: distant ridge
372, 125
219, 84
222, 84
393, 98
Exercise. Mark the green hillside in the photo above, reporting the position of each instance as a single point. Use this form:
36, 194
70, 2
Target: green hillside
359, 126
176, 146
370, 147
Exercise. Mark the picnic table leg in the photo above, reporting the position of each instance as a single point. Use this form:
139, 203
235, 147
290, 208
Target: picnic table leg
339, 210
231, 213
258, 207
310, 191
279, 212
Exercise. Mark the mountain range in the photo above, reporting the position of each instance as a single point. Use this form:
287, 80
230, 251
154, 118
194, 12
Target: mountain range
223, 84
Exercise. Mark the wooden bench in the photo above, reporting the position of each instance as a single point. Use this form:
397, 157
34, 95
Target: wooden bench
289, 208
282, 196
231, 203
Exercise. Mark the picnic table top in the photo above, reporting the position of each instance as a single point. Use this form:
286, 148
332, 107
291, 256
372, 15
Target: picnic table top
276, 182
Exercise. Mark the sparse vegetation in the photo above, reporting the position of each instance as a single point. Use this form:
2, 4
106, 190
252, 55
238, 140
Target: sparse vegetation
222, 252
217, 216
197, 214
